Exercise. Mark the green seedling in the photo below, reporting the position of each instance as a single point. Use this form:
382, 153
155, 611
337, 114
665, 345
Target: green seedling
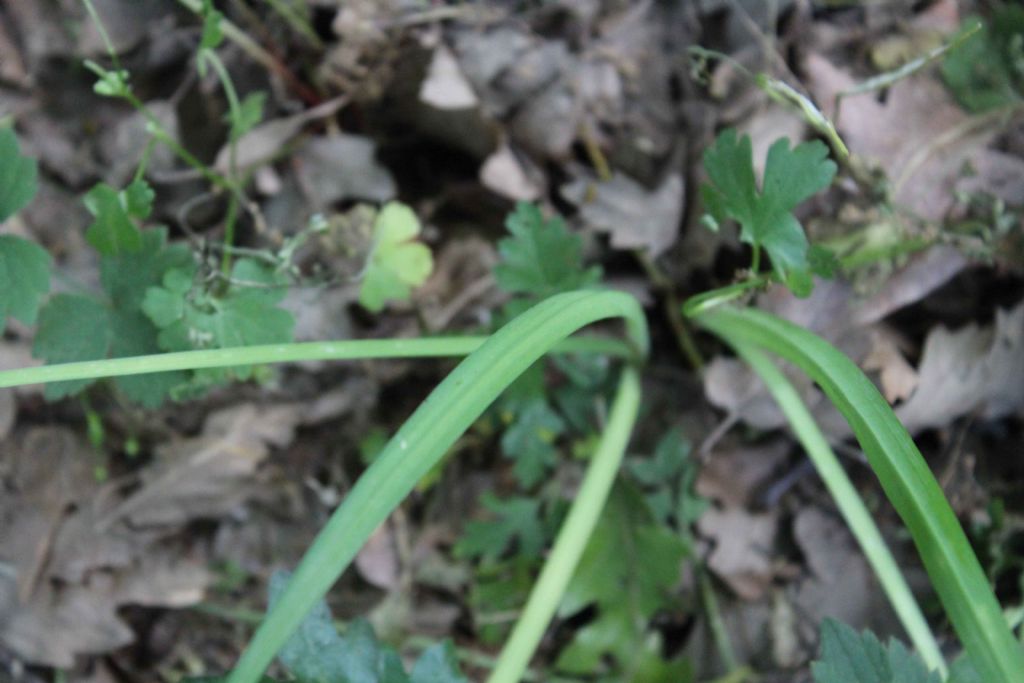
24, 266
765, 213
397, 262
985, 71
158, 297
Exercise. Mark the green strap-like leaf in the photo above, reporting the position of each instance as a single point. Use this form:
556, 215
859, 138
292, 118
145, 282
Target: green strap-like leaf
424, 438
905, 477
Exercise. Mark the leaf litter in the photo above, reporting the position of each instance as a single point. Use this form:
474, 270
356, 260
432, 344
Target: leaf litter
544, 86
80, 549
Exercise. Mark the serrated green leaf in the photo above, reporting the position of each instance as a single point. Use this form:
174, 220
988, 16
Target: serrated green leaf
849, 657
437, 664
516, 519
668, 478
212, 34
17, 175
397, 262
963, 671
132, 334
317, 653
250, 113
127, 276
71, 328
765, 215
246, 315
112, 233
984, 71
138, 198
542, 257
24, 279
530, 441
627, 570
498, 588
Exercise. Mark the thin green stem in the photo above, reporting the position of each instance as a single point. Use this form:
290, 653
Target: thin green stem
297, 22
906, 479
140, 170
230, 219
157, 130
851, 505
719, 633
755, 260
705, 301
414, 642
429, 347
257, 53
102, 30
572, 539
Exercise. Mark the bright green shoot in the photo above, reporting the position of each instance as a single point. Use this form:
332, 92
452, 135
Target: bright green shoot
421, 442
849, 502
908, 483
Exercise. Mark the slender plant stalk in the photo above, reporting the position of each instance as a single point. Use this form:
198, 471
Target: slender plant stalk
421, 442
429, 347
850, 504
904, 475
572, 539
417, 446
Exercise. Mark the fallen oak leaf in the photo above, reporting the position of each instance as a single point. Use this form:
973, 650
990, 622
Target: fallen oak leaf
967, 369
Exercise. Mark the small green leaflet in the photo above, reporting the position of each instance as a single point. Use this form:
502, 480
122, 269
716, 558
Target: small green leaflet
668, 477
24, 279
849, 657
517, 520
71, 328
765, 216
541, 257
24, 266
212, 34
17, 176
80, 328
110, 82
397, 262
628, 569
114, 231
530, 441
250, 113
246, 315
986, 71
317, 653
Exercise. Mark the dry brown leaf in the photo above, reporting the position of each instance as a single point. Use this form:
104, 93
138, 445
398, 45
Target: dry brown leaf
61, 621
261, 144
504, 173
342, 167
744, 544
734, 476
378, 561
8, 412
919, 136
635, 217
445, 86
974, 368
68, 577
841, 585
896, 375
209, 475
834, 312
12, 68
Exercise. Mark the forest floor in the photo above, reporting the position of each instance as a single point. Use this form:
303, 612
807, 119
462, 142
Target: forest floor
140, 526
